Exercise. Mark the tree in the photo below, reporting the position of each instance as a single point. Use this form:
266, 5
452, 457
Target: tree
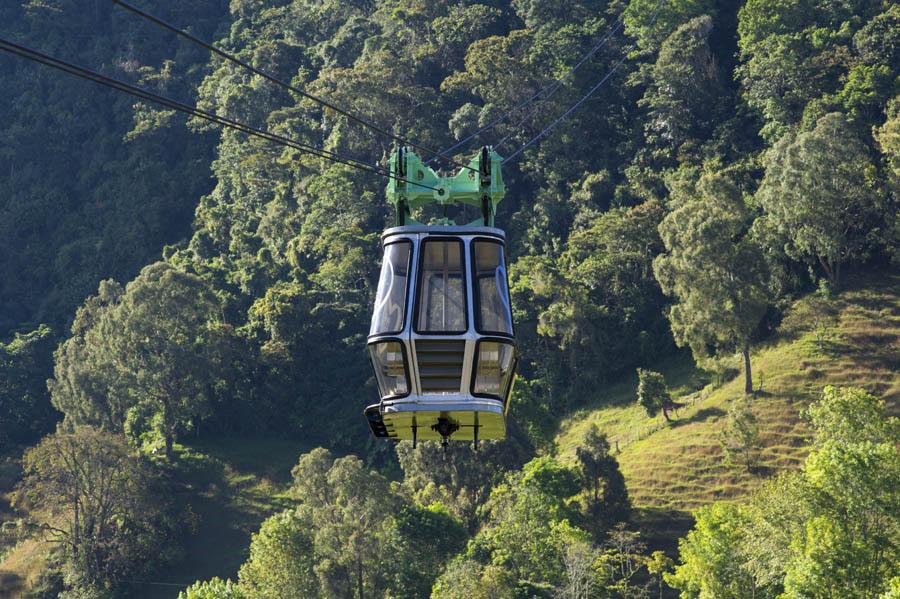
740, 435
847, 547
714, 270
653, 394
684, 92
623, 556
658, 565
468, 579
652, 23
215, 588
827, 531
281, 562
580, 577
348, 510
414, 564
137, 359
95, 498
529, 521
814, 313
458, 478
820, 195
608, 503
25, 365
711, 564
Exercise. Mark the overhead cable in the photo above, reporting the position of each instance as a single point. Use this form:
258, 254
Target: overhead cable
582, 100
269, 77
88, 74
548, 89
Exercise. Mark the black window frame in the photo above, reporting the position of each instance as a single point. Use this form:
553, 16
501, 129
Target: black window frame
476, 299
409, 273
420, 267
405, 367
512, 375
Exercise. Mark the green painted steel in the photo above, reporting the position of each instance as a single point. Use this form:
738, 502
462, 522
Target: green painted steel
480, 185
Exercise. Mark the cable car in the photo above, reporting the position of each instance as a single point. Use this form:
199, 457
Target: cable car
442, 341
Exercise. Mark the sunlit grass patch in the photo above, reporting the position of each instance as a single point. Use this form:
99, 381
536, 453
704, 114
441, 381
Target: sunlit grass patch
680, 466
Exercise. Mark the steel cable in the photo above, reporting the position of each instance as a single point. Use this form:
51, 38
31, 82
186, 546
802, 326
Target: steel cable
88, 74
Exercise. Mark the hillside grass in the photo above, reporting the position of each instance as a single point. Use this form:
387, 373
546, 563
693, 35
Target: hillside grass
671, 469
226, 488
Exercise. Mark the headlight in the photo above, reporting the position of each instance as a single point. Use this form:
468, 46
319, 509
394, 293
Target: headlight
390, 368
494, 368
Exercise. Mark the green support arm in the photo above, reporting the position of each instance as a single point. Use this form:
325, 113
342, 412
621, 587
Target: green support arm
416, 185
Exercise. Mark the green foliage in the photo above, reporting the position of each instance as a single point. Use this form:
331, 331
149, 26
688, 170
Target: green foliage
740, 435
529, 521
653, 394
281, 562
710, 557
465, 579
820, 196
420, 543
101, 504
459, 478
93, 187
829, 530
215, 588
139, 351
683, 91
714, 269
608, 498
651, 22
25, 365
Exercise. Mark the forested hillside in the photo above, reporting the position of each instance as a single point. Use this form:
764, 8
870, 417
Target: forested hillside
167, 286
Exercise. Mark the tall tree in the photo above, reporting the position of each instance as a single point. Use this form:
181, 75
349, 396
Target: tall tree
95, 498
608, 504
348, 509
281, 562
139, 351
530, 517
714, 269
820, 194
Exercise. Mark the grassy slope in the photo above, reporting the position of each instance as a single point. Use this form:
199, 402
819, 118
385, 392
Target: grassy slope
231, 486
672, 469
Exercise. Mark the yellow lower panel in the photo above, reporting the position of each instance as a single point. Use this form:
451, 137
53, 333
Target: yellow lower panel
491, 426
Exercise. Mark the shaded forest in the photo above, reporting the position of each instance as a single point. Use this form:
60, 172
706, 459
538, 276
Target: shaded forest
163, 280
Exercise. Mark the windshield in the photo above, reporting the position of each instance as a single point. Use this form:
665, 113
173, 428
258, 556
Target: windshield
442, 297
390, 302
491, 292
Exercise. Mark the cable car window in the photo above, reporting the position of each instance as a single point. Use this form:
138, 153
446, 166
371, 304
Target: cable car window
494, 368
389, 360
442, 288
390, 302
491, 292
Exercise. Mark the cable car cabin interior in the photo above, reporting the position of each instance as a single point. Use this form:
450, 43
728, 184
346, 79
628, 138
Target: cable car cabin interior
441, 340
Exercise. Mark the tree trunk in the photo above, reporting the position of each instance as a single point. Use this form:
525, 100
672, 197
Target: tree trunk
169, 442
748, 376
359, 578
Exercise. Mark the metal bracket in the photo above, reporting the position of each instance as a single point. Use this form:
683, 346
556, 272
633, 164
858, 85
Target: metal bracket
416, 185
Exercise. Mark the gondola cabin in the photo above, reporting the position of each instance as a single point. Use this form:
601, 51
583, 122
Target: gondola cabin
442, 341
